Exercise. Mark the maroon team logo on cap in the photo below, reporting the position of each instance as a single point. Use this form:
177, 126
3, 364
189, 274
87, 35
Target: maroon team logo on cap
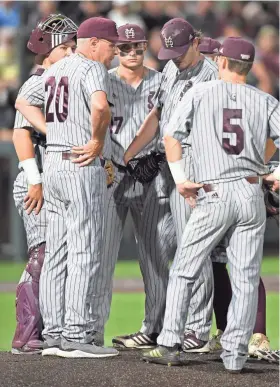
176, 37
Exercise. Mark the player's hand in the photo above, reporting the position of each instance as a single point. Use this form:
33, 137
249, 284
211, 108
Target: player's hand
189, 190
271, 180
275, 186
34, 199
126, 158
87, 152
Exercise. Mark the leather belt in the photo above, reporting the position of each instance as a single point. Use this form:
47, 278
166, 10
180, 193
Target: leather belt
214, 187
71, 156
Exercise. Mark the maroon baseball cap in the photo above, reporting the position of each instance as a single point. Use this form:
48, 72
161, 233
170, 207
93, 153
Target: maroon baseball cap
209, 46
99, 27
132, 33
176, 36
238, 48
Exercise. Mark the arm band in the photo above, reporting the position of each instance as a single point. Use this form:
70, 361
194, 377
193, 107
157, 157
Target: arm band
276, 173
178, 172
31, 170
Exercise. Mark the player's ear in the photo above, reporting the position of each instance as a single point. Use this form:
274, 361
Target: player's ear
93, 42
196, 43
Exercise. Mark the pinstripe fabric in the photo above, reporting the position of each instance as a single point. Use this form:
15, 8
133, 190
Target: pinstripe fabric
239, 212
75, 201
130, 107
167, 212
235, 209
260, 118
74, 197
34, 225
84, 77
179, 83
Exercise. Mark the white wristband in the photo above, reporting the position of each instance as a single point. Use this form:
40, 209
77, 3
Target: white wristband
31, 171
276, 173
178, 172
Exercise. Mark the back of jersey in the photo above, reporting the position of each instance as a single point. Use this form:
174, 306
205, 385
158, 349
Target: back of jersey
68, 87
231, 123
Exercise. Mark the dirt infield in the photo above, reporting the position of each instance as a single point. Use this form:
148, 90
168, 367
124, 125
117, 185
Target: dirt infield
136, 285
127, 370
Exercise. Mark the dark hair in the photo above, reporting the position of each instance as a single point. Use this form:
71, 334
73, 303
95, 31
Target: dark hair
239, 66
199, 35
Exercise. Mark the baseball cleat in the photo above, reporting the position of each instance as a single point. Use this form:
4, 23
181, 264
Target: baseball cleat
137, 340
258, 342
29, 349
194, 345
214, 343
270, 356
51, 346
169, 356
73, 349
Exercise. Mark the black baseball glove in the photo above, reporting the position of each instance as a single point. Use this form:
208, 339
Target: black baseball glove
145, 169
271, 201
271, 198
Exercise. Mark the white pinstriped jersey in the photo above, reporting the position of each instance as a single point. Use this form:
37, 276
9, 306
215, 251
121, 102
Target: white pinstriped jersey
175, 84
21, 121
131, 106
227, 126
65, 89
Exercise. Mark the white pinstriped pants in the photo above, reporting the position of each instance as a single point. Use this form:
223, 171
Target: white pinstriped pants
34, 225
75, 199
239, 213
125, 195
160, 226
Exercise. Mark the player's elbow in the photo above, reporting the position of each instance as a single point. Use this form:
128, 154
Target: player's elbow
20, 103
102, 107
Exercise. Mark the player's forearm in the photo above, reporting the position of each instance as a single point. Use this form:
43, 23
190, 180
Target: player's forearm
33, 114
145, 134
173, 149
23, 144
100, 121
269, 150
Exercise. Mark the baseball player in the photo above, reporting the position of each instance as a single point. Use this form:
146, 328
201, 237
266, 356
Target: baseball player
226, 122
132, 87
74, 92
163, 205
30, 147
209, 48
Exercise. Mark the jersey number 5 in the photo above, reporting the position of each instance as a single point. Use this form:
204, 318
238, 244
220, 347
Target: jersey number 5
233, 134
61, 101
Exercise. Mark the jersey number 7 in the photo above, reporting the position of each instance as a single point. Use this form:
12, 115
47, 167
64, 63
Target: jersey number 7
61, 100
233, 134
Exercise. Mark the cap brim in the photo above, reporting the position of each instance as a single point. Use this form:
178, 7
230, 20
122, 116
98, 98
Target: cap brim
115, 39
133, 41
172, 53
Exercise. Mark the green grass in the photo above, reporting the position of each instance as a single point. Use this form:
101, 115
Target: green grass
126, 316
11, 272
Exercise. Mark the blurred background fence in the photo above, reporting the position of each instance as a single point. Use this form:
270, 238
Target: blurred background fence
256, 20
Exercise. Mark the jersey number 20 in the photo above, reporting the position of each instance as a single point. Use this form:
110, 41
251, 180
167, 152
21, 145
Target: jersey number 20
233, 135
61, 100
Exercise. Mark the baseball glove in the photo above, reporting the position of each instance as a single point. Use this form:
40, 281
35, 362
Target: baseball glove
271, 200
110, 173
145, 169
